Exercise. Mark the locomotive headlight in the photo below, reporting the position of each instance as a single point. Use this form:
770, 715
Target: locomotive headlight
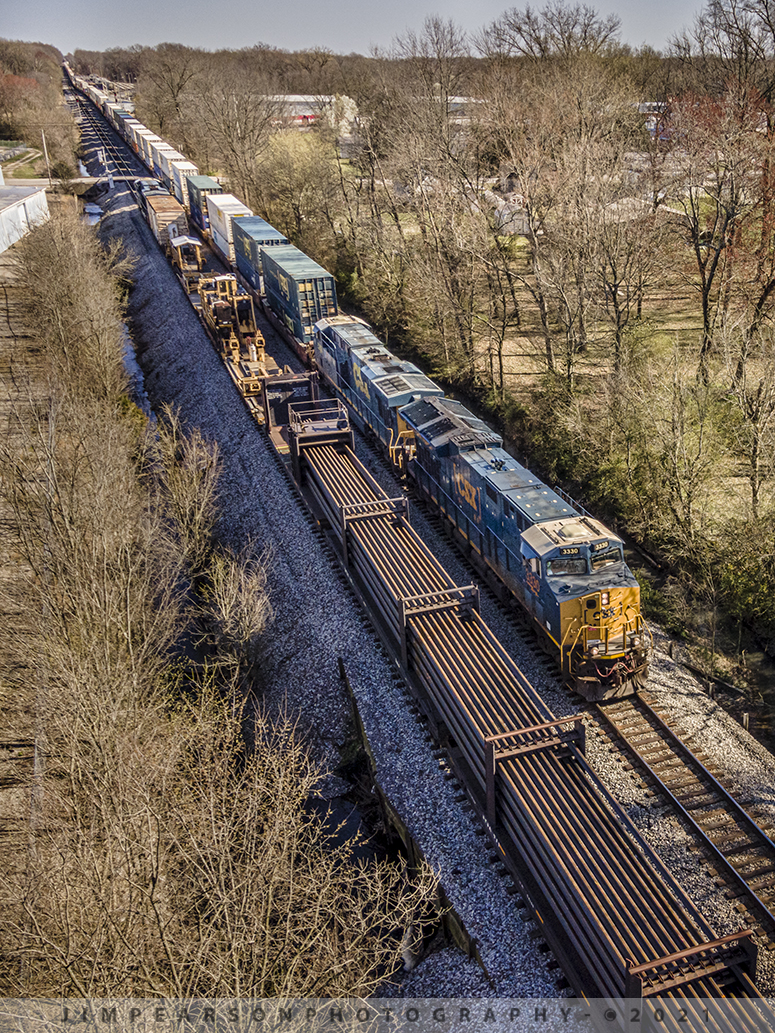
593, 651
635, 641
604, 598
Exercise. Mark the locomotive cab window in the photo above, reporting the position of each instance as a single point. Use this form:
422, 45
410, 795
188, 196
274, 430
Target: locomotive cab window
606, 559
566, 565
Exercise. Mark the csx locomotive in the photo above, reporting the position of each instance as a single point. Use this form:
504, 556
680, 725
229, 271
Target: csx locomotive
563, 565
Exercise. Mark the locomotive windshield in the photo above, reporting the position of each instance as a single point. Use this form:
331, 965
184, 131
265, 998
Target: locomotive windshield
606, 559
566, 565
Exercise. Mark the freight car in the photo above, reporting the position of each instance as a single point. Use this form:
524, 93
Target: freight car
299, 292
564, 567
222, 211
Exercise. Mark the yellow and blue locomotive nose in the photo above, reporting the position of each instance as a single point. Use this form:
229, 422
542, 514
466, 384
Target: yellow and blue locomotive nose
604, 640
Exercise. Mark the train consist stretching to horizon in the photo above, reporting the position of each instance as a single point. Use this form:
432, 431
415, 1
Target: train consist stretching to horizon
565, 568
615, 916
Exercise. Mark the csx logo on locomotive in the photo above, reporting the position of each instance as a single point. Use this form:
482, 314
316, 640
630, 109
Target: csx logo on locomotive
359, 382
468, 493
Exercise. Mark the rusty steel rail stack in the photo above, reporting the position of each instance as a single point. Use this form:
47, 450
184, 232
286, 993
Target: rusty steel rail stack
612, 913
626, 921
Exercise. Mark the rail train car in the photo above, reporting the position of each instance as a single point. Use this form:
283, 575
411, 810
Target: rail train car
222, 211
251, 236
562, 564
299, 292
198, 187
564, 567
372, 381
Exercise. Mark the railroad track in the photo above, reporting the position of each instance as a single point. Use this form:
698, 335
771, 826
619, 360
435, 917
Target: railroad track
739, 850
96, 135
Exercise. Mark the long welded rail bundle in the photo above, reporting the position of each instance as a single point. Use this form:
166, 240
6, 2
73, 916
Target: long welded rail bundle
617, 905
612, 905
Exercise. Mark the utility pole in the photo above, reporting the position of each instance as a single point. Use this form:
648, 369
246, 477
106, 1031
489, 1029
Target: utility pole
45, 151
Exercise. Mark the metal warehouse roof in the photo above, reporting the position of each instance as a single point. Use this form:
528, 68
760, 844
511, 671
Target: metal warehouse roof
21, 208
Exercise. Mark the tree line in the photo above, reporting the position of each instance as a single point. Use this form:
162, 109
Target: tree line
31, 102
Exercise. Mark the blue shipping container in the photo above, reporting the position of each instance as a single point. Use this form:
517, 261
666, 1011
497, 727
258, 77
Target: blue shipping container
196, 214
251, 234
198, 188
299, 290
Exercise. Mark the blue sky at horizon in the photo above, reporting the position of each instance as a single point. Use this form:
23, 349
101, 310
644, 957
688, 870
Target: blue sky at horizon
343, 26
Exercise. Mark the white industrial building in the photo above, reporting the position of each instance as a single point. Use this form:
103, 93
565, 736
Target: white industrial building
21, 208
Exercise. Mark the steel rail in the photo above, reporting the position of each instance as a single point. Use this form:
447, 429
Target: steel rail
565, 820
499, 720
611, 878
100, 128
720, 799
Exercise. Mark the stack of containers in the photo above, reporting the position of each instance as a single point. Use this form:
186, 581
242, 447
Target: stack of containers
298, 290
251, 235
159, 150
179, 171
147, 142
222, 210
142, 137
198, 189
132, 125
166, 217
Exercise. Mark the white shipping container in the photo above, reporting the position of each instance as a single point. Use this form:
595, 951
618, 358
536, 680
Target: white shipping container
166, 218
130, 127
181, 170
225, 247
158, 149
222, 208
139, 136
147, 138
167, 154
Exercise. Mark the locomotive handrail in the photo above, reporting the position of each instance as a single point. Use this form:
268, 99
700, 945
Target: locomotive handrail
572, 502
626, 627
